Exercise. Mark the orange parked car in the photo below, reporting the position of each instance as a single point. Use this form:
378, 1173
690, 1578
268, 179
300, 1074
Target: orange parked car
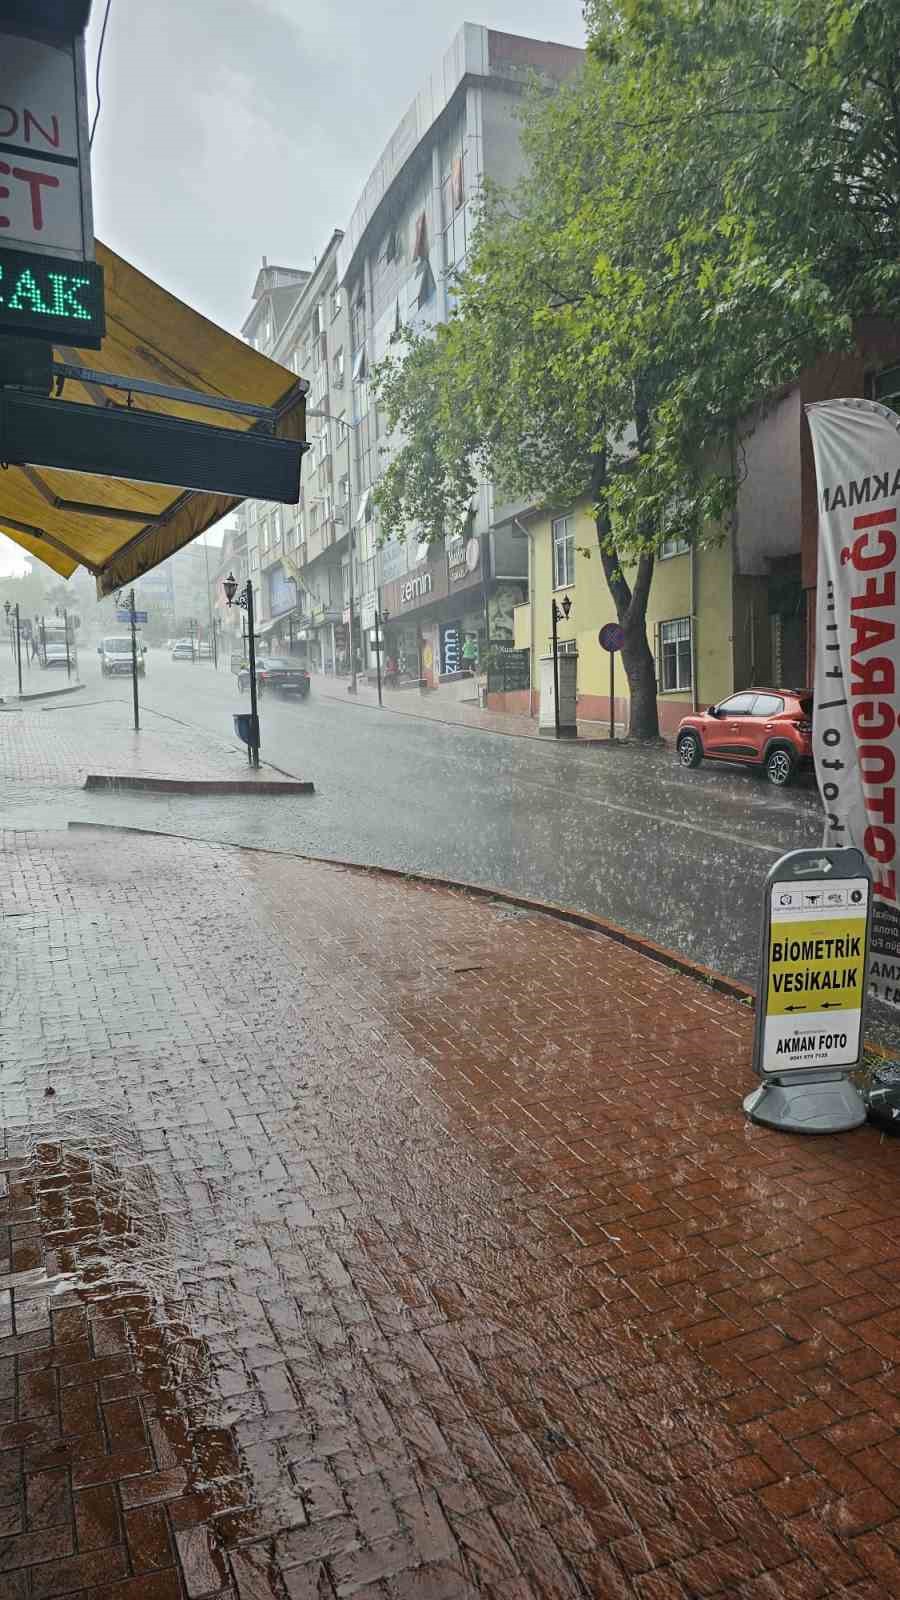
769, 728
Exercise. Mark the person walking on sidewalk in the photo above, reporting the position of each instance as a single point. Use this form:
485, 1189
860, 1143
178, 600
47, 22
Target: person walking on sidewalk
470, 654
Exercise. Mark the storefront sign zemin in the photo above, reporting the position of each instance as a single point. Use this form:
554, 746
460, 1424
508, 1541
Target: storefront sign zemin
856, 737
810, 1006
415, 588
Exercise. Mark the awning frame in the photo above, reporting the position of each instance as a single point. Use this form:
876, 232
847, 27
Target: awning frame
158, 356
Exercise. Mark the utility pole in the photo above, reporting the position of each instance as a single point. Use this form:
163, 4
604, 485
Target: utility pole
18, 650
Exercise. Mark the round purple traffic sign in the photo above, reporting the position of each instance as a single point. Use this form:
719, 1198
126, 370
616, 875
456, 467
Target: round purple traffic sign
612, 637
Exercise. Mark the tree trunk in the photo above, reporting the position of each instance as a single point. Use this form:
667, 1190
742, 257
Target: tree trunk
631, 610
640, 670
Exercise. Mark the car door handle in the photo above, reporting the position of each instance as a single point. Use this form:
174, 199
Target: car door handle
769, 727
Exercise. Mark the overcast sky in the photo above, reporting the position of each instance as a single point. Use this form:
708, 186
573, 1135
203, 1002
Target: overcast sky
233, 129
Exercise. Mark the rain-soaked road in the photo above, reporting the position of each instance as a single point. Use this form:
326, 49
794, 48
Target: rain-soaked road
678, 856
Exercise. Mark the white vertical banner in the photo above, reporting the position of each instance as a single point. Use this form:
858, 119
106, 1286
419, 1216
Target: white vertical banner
856, 709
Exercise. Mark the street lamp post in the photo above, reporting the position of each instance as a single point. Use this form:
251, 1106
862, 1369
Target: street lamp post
557, 614
66, 632
17, 645
245, 600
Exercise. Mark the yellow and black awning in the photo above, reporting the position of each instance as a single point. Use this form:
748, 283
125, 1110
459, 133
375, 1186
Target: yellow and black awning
120, 527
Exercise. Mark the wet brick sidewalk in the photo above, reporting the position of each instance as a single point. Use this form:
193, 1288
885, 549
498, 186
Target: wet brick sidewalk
419, 1249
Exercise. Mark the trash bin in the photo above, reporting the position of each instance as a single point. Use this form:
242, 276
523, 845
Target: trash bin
246, 726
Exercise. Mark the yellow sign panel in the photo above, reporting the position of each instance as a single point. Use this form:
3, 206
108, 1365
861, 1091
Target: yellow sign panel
816, 966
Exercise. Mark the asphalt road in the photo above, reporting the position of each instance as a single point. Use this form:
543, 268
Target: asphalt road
678, 856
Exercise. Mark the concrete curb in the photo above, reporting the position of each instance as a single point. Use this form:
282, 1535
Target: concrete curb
99, 780
717, 981
51, 694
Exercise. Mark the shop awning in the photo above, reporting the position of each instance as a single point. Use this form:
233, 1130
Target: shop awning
117, 527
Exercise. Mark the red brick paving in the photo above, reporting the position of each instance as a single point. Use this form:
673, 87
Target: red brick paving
419, 1249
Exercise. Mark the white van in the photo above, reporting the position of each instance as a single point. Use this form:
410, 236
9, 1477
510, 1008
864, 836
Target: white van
115, 656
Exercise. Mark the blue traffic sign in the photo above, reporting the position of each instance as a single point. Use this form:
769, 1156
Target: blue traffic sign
131, 616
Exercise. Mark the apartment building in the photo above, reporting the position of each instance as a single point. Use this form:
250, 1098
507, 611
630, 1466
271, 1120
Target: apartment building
408, 234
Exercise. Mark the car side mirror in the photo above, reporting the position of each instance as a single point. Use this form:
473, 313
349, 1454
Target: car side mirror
713, 711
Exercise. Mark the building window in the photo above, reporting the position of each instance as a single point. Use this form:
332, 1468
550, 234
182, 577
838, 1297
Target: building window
420, 238
254, 560
675, 654
563, 552
263, 536
338, 366
336, 303
359, 365
673, 547
457, 184
426, 283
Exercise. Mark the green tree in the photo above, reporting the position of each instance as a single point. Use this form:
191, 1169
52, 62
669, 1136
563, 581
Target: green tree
713, 205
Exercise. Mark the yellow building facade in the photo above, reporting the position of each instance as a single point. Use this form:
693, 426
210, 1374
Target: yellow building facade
700, 620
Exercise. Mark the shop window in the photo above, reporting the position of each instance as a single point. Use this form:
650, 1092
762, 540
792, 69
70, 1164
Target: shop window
563, 552
675, 654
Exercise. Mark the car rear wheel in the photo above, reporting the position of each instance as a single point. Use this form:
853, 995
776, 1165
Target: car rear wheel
690, 750
781, 765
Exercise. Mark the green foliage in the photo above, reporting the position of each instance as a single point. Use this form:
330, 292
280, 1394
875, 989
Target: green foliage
711, 205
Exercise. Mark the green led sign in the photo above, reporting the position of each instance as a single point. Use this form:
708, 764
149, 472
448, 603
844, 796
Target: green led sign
49, 297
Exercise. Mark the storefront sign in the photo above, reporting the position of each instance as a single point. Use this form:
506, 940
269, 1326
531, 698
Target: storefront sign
49, 298
509, 669
44, 151
367, 609
416, 588
811, 996
463, 558
451, 648
856, 737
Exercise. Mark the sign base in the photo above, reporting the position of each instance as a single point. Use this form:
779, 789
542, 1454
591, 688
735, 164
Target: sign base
814, 1105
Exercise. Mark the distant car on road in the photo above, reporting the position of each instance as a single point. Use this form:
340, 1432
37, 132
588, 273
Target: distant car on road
56, 655
183, 650
767, 728
115, 657
278, 673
